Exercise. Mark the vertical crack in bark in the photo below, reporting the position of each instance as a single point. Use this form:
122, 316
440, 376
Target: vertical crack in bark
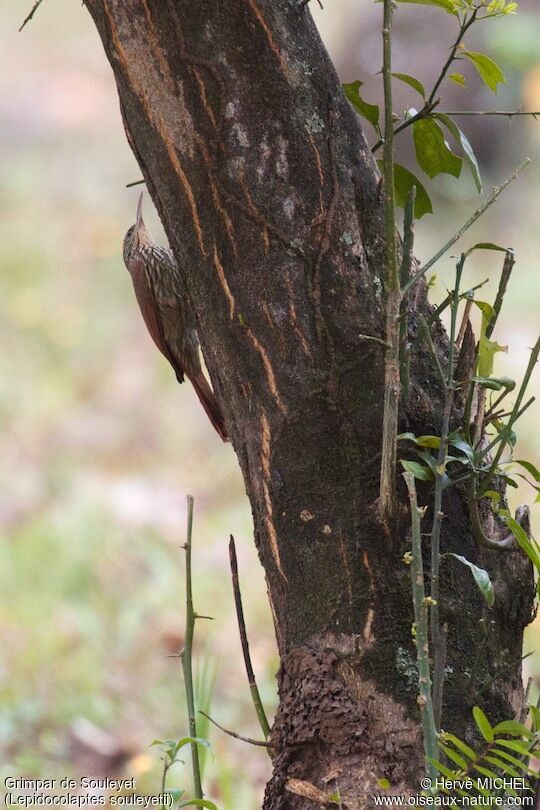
270, 38
294, 317
224, 283
266, 480
269, 370
216, 195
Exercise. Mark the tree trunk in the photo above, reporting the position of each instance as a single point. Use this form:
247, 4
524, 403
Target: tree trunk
271, 201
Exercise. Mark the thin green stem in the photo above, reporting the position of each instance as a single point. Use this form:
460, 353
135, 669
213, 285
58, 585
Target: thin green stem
187, 653
431, 102
497, 191
421, 621
393, 289
465, 25
164, 780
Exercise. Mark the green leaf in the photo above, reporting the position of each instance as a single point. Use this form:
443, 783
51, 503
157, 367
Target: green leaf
446, 5
468, 151
483, 724
514, 745
412, 82
410, 437
528, 545
487, 349
456, 758
489, 71
487, 312
495, 383
459, 744
429, 441
433, 155
457, 78
481, 790
418, 470
530, 483
535, 714
384, 783
198, 803
461, 444
404, 180
512, 727
444, 770
486, 246
421, 441
510, 758
481, 577
429, 460
534, 471
368, 111
485, 771
191, 741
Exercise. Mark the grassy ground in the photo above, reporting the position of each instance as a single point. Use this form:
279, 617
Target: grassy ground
100, 446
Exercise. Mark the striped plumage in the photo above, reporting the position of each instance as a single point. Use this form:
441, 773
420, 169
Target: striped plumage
156, 280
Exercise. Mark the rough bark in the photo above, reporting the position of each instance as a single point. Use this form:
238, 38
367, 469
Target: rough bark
270, 198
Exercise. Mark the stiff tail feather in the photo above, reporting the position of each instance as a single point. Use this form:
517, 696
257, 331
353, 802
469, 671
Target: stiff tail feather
209, 402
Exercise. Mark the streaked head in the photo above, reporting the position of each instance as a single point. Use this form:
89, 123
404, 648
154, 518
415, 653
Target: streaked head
136, 235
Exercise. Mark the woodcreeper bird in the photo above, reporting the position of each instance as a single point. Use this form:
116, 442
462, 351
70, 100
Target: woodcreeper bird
156, 280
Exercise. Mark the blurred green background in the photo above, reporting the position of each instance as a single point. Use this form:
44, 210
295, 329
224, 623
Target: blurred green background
99, 445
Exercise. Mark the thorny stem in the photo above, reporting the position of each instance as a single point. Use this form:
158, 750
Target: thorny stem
506, 113
255, 696
479, 421
31, 14
421, 621
508, 266
186, 655
437, 638
497, 191
393, 291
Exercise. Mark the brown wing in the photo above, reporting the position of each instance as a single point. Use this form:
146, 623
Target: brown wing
147, 304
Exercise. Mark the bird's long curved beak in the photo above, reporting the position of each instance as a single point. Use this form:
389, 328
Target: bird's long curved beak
139, 219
